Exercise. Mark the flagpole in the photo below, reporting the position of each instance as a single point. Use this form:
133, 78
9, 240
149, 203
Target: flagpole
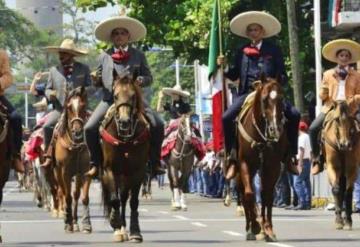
223, 94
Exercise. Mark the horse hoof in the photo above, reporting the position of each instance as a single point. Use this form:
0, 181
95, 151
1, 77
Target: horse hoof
69, 228
54, 214
87, 229
227, 202
0, 239
118, 236
270, 238
240, 211
250, 236
184, 208
76, 227
136, 238
347, 227
261, 236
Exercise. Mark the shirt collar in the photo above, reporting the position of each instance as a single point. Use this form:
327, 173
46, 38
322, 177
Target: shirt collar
124, 49
258, 45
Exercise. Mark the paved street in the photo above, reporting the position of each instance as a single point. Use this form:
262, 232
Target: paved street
206, 223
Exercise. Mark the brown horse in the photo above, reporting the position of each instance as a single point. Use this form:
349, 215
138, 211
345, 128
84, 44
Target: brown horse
341, 146
179, 164
72, 159
262, 146
125, 145
5, 147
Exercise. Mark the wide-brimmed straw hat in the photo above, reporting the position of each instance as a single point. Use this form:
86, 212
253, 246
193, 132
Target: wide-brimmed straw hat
68, 46
176, 90
136, 29
270, 24
331, 48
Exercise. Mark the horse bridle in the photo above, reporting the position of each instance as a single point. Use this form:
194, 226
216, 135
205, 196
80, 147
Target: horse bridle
181, 154
133, 124
336, 145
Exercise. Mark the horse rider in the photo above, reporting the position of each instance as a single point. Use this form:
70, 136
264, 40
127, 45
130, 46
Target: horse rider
178, 105
121, 31
69, 74
6, 80
255, 58
339, 83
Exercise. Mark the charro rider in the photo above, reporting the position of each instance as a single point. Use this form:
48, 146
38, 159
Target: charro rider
257, 57
6, 80
339, 83
120, 31
69, 74
178, 105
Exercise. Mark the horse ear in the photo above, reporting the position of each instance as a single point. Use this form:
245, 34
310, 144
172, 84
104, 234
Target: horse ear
263, 78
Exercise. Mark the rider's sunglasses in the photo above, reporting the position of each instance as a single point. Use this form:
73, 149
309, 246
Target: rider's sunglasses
123, 33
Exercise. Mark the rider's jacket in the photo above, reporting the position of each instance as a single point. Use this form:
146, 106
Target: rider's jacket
66, 78
135, 61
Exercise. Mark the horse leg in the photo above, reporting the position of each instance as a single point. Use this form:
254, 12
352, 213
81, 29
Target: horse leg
174, 178
121, 235
66, 188
85, 221
252, 226
348, 207
76, 195
135, 233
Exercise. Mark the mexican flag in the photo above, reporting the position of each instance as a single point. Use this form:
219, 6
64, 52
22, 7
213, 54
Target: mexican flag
217, 78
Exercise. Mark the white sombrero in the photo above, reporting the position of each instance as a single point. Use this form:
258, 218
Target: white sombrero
136, 29
331, 48
239, 23
67, 46
175, 90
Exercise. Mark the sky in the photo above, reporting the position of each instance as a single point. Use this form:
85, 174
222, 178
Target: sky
101, 13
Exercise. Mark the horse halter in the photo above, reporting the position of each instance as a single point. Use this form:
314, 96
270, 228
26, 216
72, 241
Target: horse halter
184, 141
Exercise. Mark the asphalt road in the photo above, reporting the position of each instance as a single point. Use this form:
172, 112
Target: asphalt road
206, 223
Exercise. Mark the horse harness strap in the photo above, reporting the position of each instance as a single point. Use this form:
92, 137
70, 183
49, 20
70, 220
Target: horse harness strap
330, 143
144, 135
246, 136
4, 131
70, 145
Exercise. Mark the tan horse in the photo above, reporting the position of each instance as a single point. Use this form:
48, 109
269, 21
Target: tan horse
72, 160
126, 145
341, 146
262, 146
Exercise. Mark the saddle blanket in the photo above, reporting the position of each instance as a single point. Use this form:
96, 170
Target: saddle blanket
170, 140
31, 146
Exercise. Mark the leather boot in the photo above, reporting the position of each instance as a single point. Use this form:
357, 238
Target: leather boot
156, 169
231, 165
92, 171
17, 164
48, 156
317, 165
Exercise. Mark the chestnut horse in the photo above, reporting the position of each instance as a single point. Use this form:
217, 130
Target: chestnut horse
5, 147
341, 146
72, 159
262, 146
125, 145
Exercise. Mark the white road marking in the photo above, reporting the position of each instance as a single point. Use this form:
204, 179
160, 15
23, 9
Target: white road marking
143, 210
231, 233
9, 191
199, 224
180, 217
163, 212
280, 245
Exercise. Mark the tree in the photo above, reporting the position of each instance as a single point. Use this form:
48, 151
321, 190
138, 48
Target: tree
294, 51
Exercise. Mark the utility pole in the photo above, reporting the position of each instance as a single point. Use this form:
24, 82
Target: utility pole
26, 104
318, 67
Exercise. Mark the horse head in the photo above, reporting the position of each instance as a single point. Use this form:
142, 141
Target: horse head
75, 110
343, 125
269, 98
185, 128
128, 103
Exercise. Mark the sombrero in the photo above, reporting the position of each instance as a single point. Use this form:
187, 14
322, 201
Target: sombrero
239, 23
136, 29
331, 48
176, 90
67, 46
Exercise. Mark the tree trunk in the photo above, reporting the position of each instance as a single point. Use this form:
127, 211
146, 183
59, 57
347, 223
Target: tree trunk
294, 55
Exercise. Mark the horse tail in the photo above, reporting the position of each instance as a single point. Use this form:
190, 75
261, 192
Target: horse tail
106, 196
